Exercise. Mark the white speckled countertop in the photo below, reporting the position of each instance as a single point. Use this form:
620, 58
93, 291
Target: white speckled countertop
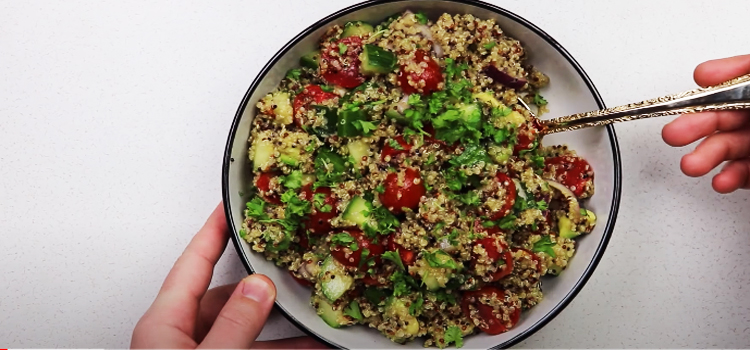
113, 119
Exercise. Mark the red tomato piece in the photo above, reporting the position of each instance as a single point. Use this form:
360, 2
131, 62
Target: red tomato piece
404, 192
371, 281
390, 152
340, 63
509, 189
422, 75
527, 135
263, 183
304, 242
478, 227
573, 172
301, 281
486, 314
311, 94
407, 256
495, 250
341, 253
531, 254
319, 223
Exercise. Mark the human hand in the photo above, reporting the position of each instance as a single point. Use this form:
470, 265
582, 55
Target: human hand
727, 134
186, 316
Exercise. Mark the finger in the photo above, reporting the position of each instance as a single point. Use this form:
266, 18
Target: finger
689, 128
177, 302
243, 316
210, 307
714, 150
718, 71
735, 175
290, 343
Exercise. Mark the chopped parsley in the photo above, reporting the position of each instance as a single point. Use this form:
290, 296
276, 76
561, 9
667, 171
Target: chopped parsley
403, 284
453, 335
416, 307
444, 297
375, 295
293, 180
545, 245
539, 100
327, 88
421, 17
353, 311
489, 45
395, 257
294, 74
380, 189
342, 48
440, 259
256, 209
393, 143
364, 126
345, 240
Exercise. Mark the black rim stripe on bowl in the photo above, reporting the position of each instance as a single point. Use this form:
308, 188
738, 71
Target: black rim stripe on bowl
325, 21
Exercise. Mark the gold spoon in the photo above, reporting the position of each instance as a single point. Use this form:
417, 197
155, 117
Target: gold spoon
727, 96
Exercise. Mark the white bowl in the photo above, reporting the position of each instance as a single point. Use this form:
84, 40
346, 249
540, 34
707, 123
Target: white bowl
570, 91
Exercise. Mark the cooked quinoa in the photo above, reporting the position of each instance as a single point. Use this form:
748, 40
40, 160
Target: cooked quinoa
398, 176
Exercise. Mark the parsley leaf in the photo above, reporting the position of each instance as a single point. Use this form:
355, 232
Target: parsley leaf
453, 335
327, 88
489, 45
293, 74
541, 205
380, 189
539, 100
353, 311
319, 200
293, 180
395, 257
439, 259
421, 17
507, 223
395, 145
256, 209
342, 48
445, 297
472, 155
365, 126
342, 239
402, 283
545, 245
416, 307
375, 295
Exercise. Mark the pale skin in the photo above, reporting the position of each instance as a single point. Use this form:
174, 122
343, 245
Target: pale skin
725, 135
186, 315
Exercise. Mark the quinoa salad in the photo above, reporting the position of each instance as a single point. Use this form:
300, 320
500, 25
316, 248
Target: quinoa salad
397, 175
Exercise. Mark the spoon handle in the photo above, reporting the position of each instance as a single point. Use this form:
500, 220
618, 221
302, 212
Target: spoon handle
730, 95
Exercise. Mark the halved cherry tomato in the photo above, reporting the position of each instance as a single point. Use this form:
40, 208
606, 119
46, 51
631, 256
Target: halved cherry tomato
526, 137
495, 250
311, 93
263, 183
319, 223
422, 75
371, 281
407, 256
402, 190
573, 172
504, 182
339, 68
389, 152
304, 242
531, 254
301, 281
476, 310
363, 242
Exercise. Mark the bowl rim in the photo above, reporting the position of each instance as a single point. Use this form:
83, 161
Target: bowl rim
617, 188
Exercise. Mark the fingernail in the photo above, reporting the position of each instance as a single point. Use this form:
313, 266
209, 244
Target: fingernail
256, 288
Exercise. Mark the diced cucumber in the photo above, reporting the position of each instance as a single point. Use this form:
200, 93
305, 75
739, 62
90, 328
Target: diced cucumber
435, 277
356, 28
310, 60
263, 156
376, 60
501, 155
567, 228
516, 119
397, 313
331, 117
393, 113
347, 120
430, 281
334, 281
488, 99
334, 318
328, 156
358, 212
359, 152
290, 156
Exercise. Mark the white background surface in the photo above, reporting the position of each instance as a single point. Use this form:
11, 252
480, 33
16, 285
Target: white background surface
114, 116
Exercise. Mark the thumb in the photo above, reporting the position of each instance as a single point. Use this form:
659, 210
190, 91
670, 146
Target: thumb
243, 316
